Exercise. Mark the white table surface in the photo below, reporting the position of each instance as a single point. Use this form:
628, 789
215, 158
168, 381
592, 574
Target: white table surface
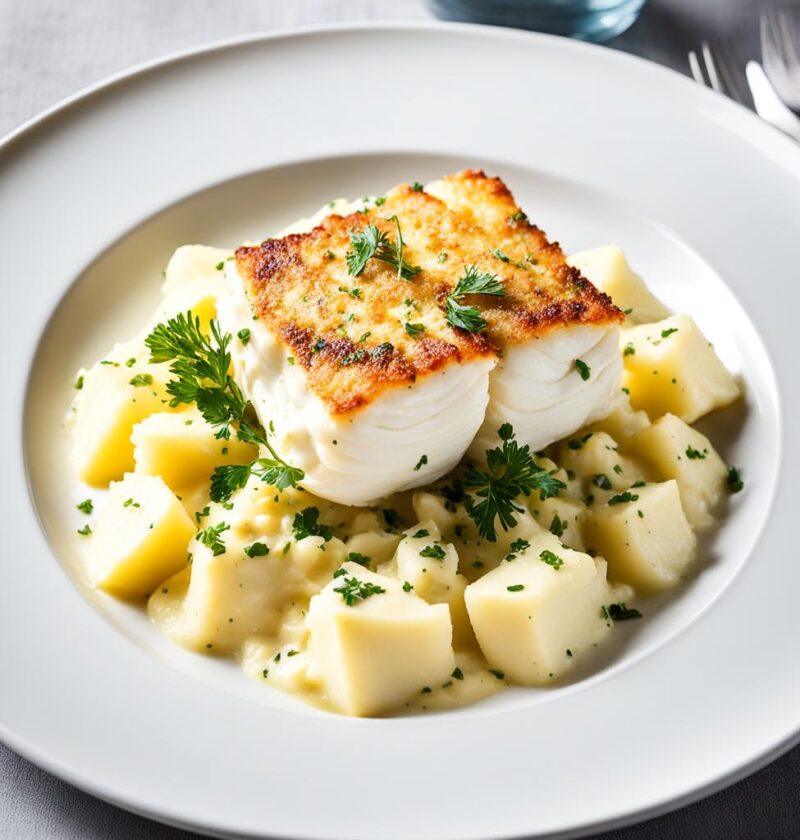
50, 49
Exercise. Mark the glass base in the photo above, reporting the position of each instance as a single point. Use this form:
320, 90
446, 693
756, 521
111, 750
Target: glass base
588, 20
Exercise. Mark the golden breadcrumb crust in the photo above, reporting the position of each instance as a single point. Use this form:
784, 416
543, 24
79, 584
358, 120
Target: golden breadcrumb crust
349, 333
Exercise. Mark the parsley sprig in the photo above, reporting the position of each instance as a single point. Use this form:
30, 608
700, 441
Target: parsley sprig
471, 282
372, 243
200, 365
511, 472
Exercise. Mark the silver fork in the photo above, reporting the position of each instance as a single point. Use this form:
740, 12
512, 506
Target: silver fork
720, 68
780, 34
724, 70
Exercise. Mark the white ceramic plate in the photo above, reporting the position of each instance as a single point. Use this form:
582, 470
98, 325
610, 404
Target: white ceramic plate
234, 142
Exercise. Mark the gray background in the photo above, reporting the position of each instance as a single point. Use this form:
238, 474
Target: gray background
50, 49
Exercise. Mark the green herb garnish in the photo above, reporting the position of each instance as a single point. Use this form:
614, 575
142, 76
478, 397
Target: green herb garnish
551, 559
306, 524
619, 612
556, 526
201, 367
695, 454
371, 242
622, 498
141, 379
353, 590
472, 282
602, 481
361, 559
511, 472
257, 549
211, 537
735, 483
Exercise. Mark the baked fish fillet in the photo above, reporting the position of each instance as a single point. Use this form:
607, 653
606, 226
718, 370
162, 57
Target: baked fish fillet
368, 387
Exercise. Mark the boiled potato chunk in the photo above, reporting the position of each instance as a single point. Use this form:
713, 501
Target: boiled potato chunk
676, 450
140, 538
194, 264
671, 367
377, 546
429, 565
377, 652
608, 269
563, 516
182, 449
595, 458
434, 578
113, 399
647, 541
536, 616
622, 424
233, 594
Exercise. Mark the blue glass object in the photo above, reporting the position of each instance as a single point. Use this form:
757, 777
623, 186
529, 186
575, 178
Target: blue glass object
589, 20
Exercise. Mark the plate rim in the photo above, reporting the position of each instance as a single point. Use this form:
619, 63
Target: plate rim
68, 104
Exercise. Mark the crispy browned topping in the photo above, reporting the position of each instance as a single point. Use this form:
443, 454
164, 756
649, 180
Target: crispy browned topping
355, 347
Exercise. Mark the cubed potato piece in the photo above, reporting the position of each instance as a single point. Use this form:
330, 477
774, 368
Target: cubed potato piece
563, 516
191, 265
676, 450
671, 367
433, 577
427, 563
536, 616
114, 397
595, 457
608, 269
431, 506
375, 653
182, 449
622, 424
377, 546
232, 596
647, 541
140, 539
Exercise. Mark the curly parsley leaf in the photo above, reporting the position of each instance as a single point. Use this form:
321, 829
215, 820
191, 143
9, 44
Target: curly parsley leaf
511, 472
200, 365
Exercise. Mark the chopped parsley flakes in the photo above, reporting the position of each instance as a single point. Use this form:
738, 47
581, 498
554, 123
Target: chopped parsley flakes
622, 498
583, 369
141, 379
354, 590
735, 483
306, 524
619, 612
551, 559
257, 549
